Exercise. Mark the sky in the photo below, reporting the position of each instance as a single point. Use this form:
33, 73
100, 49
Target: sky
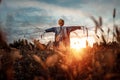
29, 18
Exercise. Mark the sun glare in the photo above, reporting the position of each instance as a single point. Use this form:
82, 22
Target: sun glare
78, 43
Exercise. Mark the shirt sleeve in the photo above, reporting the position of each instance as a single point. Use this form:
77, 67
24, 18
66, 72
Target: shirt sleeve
73, 28
50, 30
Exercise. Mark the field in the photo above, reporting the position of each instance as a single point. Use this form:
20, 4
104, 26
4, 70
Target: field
23, 60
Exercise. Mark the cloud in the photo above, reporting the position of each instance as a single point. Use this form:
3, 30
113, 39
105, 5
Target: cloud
50, 8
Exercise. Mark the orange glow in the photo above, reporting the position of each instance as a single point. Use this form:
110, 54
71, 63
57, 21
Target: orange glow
78, 43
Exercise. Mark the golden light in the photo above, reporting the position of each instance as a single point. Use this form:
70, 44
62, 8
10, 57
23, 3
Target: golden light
78, 43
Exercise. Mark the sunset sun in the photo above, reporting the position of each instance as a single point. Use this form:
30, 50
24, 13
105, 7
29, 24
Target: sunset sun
78, 43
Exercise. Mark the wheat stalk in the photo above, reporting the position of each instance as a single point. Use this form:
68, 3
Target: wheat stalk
96, 24
103, 39
100, 21
87, 32
108, 31
113, 36
114, 13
